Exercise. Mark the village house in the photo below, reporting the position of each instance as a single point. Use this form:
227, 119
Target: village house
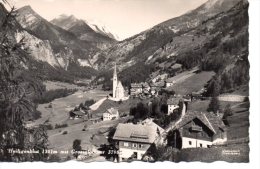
196, 96
156, 87
146, 88
111, 114
77, 114
169, 82
136, 89
176, 67
133, 140
160, 78
200, 130
173, 103
140, 88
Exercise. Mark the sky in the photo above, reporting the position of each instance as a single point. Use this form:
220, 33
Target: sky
124, 18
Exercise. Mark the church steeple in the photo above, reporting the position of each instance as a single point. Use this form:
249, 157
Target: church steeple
115, 73
115, 82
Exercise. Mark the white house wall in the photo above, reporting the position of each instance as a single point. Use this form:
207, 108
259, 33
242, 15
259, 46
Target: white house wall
171, 108
126, 153
195, 143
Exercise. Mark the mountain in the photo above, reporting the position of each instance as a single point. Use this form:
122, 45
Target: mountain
83, 31
99, 27
204, 37
143, 45
58, 37
53, 48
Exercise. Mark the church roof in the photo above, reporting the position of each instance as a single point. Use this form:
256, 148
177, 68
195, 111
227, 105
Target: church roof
119, 84
112, 111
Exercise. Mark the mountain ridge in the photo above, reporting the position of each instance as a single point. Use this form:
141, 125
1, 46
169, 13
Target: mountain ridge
83, 31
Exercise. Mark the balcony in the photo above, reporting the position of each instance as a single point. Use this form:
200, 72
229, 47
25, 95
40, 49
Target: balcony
196, 128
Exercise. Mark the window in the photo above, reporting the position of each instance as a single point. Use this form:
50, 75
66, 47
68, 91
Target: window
200, 145
126, 144
134, 145
190, 143
140, 146
135, 155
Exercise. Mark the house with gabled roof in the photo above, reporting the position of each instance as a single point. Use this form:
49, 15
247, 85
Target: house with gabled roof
173, 103
136, 89
111, 114
133, 140
200, 130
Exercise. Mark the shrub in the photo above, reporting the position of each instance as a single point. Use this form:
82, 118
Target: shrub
65, 132
48, 126
60, 125
89, 102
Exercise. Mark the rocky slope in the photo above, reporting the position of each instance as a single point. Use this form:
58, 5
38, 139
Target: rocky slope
85, 32
54, 50
58, 37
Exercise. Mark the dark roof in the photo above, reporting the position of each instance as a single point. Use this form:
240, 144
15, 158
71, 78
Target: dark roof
136, 85
173, 101
79, 113
112, 111
158, 84
209, 119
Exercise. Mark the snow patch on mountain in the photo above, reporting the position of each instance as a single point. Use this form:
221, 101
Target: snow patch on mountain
101, 28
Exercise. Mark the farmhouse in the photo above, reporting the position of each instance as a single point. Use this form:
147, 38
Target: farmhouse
169, 82
133, 140
199, 130
110, 114
176, 67
77, 114
136, 89
140, 88
146, 88
156, 87
173, 103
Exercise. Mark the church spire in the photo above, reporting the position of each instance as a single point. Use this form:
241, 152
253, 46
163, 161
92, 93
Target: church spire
115, 82
115, 73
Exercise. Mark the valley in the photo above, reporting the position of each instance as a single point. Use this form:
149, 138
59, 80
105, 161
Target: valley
171, 92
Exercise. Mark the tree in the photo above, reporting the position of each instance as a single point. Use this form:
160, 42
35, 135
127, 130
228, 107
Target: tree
76, 147
227, 112
157, 152
164, 108
214, 102
140, 112
174, 139
111, 134
214, 105
16, 91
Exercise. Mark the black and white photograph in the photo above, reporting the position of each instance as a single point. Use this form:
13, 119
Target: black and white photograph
124, 81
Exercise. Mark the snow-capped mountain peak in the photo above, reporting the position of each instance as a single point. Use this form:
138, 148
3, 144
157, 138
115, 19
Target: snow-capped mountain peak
101, 28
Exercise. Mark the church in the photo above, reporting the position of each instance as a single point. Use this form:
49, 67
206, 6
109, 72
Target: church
118, 89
